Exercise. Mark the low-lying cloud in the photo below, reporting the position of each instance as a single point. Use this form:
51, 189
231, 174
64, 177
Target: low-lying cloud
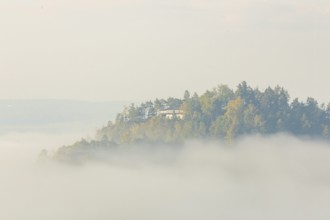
278, 177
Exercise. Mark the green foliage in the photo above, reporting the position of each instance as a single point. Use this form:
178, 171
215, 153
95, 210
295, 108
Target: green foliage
220, 113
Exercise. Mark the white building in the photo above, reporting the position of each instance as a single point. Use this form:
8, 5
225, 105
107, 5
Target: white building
171, 113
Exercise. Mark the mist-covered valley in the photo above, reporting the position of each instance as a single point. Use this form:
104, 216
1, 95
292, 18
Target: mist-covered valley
276, 177
253, 175
183, 150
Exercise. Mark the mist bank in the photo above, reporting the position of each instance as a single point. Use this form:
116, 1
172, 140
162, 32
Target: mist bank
278, 177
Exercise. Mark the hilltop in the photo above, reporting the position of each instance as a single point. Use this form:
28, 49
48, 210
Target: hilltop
218, 114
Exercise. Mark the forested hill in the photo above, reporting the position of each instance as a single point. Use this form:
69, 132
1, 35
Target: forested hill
220, 113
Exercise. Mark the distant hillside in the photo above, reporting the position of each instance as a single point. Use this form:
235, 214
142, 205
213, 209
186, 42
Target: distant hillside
220, 113
24, 115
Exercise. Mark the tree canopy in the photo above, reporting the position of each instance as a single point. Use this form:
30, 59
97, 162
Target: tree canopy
220, 113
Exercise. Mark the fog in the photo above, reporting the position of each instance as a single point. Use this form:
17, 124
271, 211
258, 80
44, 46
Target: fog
110, 50
277, 177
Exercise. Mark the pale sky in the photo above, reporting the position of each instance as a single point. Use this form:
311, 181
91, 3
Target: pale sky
141, 49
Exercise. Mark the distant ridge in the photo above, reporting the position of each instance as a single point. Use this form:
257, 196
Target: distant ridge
20, 114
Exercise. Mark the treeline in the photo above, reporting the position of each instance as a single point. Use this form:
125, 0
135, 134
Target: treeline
221, 113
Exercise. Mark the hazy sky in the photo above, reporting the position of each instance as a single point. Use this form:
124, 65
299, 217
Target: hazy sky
142, 49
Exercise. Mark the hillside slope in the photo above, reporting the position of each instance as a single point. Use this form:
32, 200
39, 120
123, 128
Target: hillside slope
218, 114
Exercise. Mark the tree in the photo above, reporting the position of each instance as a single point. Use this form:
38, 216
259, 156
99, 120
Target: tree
186, 95
233, 117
